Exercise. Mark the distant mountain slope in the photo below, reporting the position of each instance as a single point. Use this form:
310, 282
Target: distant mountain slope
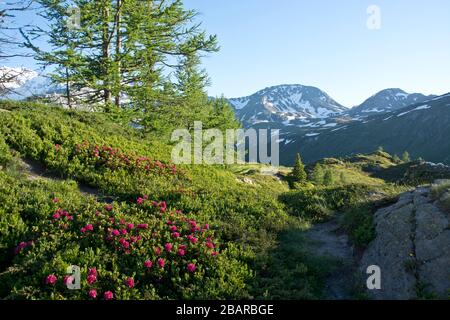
285, 103
422, 129
388, 100
12, 79
23, 83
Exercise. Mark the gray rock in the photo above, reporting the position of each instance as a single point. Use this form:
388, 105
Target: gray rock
412, 248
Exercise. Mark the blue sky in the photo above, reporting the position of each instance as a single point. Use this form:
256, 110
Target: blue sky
325, 43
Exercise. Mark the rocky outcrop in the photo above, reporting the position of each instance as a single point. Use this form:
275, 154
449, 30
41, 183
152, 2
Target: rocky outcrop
412, 249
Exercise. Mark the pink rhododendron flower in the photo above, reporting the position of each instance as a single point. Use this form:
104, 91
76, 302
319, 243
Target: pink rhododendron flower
129, 282
115, 233
193, 223
124, 243
161, 262
176, 234
148, 264
57, 216
191, 267
70, 218
89, 227
181, 252
142, 226
140, 200
55, 200
193, 239
108, 208
206, 226
108, 295
91, 278
123, 231
83, 230
93, 271
215, 253
51, 279
162, 206
168, 247
157, 251
130, 226
93, 293
210, 245
173, 228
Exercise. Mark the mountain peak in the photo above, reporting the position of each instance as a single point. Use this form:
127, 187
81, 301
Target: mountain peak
13, 78
285, 103
388, 100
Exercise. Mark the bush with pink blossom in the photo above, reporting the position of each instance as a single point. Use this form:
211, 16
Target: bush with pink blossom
125, 251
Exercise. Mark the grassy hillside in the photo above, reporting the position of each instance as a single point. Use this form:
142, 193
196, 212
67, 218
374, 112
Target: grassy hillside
83, 189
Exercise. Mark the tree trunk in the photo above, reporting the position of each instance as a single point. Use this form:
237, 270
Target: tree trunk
118, 47
106, 59
69, 101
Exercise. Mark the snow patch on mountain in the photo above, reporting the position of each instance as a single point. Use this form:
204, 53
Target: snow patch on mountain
285, 104
388, 100
11, 79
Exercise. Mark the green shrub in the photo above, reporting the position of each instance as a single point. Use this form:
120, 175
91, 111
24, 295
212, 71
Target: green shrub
358, 222
5, 155
307, 203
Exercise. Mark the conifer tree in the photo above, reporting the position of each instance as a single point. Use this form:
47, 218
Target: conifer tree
298, 172
317, 175
121, 47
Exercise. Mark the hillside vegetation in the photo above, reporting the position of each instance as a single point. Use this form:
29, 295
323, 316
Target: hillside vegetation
79, 188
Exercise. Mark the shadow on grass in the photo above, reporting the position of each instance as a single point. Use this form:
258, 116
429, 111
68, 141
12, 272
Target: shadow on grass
291, 271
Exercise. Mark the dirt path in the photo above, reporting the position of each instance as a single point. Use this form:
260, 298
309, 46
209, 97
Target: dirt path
37, 171
326, 239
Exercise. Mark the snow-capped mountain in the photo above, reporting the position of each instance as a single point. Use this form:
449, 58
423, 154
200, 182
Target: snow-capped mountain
22, 83
387, 100
407, 129
285, 103
13, 78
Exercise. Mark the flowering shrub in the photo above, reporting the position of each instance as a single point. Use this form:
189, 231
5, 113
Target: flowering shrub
144, 250
106, 157
34, 244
